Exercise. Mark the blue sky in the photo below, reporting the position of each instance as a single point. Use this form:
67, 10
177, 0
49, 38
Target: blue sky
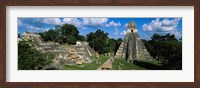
115, 27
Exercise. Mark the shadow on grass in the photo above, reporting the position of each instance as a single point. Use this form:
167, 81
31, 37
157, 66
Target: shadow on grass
147, 65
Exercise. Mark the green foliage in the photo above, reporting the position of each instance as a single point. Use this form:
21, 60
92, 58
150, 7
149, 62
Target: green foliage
167, 37
71, 39
166, 49
49, 35
81, 38
111, 45
31, 59
102, 43
98, 41
66, 33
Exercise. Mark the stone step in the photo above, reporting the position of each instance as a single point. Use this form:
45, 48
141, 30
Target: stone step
118, 53
120, 49
80, 52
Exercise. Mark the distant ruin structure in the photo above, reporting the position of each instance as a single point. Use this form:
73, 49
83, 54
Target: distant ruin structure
79, 54
132, 47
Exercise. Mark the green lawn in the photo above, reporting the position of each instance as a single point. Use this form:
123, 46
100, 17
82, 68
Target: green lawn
89, 66
150, 64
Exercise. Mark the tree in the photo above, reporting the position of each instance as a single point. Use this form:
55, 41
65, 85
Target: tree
81, 38
98, 41
50, 35
167, 49
71, 39
65, 33
70, 33
31, 59
19, 36
111, 45
102, 43
167, 37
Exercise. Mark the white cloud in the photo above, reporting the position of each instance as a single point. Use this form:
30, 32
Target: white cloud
177, 34
29, 27
174, 22
146, 37
33, 28
114, 24
20, 23
90, 22
123, 32
50, 21
125, 25
95, 21
46, 29
116, 31
146, 27
54, 21
82, 23
164, 25
73, 21
100, 22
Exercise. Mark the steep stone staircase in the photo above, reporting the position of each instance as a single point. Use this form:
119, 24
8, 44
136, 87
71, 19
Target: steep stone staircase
81, 50
120, 53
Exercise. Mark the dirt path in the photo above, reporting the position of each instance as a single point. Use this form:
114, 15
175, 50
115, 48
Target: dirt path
108, 63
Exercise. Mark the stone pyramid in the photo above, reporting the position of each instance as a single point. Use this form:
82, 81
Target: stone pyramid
132, 47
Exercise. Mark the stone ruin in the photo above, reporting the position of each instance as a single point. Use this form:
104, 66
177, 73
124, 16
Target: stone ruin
73, 54
132, 47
